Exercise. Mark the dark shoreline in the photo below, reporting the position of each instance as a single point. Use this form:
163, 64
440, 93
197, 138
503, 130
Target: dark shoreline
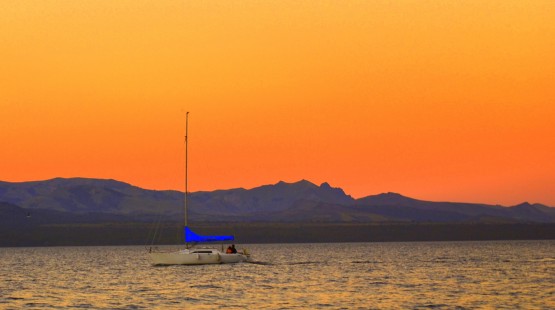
171, 233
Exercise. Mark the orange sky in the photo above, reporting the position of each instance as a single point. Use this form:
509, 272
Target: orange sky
437, 100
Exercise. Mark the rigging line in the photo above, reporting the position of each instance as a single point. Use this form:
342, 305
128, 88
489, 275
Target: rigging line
154, 230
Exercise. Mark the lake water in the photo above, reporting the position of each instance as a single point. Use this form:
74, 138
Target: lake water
419, 275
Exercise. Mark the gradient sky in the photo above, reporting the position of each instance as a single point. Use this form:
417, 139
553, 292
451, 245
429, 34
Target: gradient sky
437, 100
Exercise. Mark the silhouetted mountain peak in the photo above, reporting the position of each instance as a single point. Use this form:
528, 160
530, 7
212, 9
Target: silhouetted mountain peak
389, 198
530, 205
299, 184
106, 183
307, 190
391, 195
304, 183
527, 205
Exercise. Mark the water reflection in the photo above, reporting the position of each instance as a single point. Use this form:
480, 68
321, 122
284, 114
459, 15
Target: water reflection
365, 275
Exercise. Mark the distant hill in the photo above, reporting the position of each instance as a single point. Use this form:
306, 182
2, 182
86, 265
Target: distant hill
397, 205
16, 217
78, 195
94, 200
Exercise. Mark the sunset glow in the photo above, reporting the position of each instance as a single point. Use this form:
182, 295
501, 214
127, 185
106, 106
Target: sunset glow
436, 100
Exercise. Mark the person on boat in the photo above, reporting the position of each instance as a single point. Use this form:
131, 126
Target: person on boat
233, 249
229, 250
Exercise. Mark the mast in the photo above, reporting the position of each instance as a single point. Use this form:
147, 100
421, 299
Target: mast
186, 134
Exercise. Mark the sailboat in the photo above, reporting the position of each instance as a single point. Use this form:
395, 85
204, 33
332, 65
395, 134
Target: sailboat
197, 255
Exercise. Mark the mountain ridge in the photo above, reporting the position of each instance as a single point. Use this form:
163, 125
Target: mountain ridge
301, 201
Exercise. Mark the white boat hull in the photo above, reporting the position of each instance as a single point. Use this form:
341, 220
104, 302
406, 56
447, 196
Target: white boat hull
196, 257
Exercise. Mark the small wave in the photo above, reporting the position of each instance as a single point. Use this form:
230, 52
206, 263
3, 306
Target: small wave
182, 299
285, 263
431, 306
409, 285
377, 283
443, 259
141, 290
265, 286
323, 305
260, 263
83, 306
38, 304
189, 299
544, 259
206, 286
304, 263
364, 262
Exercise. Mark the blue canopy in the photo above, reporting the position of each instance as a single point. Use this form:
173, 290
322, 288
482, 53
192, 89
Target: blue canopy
190, 236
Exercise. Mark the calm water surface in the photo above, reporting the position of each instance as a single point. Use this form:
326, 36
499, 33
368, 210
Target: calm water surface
439, 275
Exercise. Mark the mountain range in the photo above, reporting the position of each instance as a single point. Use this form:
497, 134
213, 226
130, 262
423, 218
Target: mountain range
81, 200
